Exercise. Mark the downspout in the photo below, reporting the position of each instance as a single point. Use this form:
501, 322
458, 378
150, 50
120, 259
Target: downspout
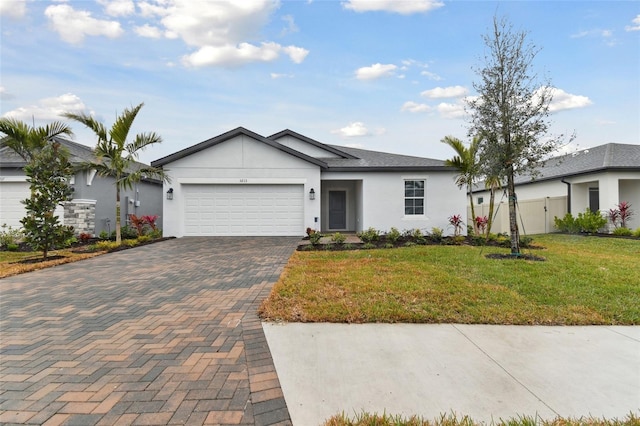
568, 194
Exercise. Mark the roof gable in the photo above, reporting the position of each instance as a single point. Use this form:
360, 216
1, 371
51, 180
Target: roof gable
330, 151
239, 131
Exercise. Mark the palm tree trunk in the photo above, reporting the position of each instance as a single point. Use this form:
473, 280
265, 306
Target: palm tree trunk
118, 235
473, 212
513, 219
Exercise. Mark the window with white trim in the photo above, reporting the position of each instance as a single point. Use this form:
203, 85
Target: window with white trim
413, 197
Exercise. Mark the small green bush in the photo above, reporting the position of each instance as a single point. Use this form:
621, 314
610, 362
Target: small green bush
314, 238
338, 238
436, 234
591, 221
368, 246
388, 245
104, 235
566, 224
105, 245
12, 247
9, 235
130, 242
370, 235
144, 238
626, 232
636, 233
155, 233
393, 235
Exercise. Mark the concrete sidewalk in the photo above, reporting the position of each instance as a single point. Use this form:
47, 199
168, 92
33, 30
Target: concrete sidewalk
487, 372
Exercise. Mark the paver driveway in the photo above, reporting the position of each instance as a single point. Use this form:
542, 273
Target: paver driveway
160, 334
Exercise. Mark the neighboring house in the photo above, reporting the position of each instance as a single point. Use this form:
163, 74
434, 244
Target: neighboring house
92, 209
596, 178
241, 183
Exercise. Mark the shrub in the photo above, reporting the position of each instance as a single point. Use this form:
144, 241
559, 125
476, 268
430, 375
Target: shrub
388, 245
566, 224
126, 232
481, 223
525, 241
590, 221
623, 232
150, 221
436, 234
625, 213
348, 246
338, 238
393, 235
105, 245
84, 237
314, 238
636, 233
409, 244
104, 235
370, 235
130, 242
144, 238
137, 224
12, 247
155, 234
368, 246
9, 235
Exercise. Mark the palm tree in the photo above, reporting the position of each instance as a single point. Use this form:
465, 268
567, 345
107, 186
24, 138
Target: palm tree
466, 162
491, 183
27, 141
117, 158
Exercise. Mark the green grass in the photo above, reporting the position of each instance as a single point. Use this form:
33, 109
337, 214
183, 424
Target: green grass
366, 419
584, 280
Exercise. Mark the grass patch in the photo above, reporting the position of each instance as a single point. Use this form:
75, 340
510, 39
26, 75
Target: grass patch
10, 261
366, 419
584, 280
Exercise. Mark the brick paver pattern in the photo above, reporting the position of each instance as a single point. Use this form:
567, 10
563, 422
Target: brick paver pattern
160, 334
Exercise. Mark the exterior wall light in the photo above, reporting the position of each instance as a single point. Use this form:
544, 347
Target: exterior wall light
170, 194
312, 194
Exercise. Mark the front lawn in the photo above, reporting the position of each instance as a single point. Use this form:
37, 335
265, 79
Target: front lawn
584, 280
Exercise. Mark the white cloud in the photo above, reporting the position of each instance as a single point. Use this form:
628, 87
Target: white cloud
291, 26
448, 110
352, 130
223, 33
431, 75
635, 26
415, 107
148, 31
13, 8
244, 53
73, 25
276, 76
445, 92
118, 7
563, 100
375, 71
48, 108
395, 6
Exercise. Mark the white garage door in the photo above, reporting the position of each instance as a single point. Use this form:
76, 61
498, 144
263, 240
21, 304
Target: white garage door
249, 210
11, 209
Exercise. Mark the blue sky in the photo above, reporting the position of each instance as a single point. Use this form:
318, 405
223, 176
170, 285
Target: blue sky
385, 75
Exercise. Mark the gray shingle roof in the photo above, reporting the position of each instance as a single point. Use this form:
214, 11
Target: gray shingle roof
599, 158
381, 161
351, 159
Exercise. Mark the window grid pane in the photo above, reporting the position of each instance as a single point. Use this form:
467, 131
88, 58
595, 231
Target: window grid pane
414, 197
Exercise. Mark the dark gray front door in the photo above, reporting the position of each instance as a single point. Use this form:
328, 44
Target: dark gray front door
337, 209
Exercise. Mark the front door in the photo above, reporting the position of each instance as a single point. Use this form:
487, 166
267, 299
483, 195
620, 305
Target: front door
337, 210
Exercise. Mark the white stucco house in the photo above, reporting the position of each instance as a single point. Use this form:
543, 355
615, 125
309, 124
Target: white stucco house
596, 178
241, 183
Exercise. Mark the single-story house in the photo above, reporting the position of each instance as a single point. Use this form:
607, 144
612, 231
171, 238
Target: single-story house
92, 209
597, 178
242, 183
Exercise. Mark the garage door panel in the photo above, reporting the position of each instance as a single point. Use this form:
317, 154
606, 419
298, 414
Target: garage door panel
243, 209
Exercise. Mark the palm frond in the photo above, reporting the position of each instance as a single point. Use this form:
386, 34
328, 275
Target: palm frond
141, 141
120, 129
89, 121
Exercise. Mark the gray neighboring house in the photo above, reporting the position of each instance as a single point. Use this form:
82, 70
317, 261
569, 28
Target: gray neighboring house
597, 178
92, 209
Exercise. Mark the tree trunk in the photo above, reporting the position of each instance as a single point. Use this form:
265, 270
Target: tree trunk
118, 235
473, 212
513, 218
492, 203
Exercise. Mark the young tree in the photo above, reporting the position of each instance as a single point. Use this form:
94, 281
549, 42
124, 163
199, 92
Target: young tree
466, 162
492, 183
27, 141
117, 158
511, 113
48, 173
